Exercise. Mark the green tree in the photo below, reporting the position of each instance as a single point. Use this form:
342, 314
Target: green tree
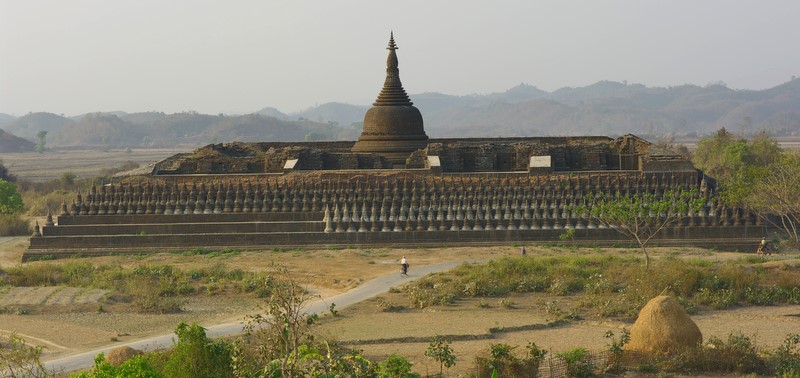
641, 217
755, 174
195, 355
41, 138
440, 351
736, 163
10, 200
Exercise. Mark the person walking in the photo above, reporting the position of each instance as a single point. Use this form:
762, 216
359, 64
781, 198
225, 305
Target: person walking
404, 267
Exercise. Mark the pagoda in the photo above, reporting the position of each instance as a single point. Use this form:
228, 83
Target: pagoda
393, 127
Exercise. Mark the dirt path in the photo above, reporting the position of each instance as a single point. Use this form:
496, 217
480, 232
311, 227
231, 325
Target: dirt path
364, 291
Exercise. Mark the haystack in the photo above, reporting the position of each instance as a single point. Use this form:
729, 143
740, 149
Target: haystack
663, 326
119, 355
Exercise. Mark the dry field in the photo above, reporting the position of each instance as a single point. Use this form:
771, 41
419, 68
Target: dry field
67, 320
84, 163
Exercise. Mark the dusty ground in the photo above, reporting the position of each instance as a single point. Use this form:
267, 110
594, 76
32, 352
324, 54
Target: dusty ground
67, 320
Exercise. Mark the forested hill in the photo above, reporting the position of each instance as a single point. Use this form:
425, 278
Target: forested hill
604, 108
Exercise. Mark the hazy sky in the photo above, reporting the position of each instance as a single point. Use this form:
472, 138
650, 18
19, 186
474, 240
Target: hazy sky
82, 56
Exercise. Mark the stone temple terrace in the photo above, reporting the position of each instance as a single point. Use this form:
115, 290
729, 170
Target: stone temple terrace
393, 186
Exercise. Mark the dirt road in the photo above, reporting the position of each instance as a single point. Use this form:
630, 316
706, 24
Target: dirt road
364, 291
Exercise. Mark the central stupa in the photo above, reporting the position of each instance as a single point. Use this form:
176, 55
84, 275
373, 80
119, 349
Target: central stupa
392, 126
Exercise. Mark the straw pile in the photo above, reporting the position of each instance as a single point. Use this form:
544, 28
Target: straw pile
663, 326
119, 355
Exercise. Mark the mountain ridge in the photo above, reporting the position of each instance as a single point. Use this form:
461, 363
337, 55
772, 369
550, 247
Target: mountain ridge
605, 107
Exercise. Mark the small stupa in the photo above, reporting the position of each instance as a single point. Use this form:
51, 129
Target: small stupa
393, 127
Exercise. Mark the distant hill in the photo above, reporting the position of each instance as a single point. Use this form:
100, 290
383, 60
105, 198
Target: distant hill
154, 129
272, 112
5, 119
335, 113
12, 143
30, 124
603, 108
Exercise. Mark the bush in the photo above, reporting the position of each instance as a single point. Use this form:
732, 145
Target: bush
196, 356
10, 201
787, 357
578, 362
154, 294
137, 367
39, 204
502, 362
14, 225
396, 366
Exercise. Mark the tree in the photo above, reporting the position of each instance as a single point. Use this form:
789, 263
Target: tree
10, 200
41, 137
641, 217
284, 324
755, 174
727, 157
440, 351
775, 195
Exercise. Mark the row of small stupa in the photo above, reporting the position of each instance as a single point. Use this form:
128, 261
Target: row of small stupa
295, 196
476, 204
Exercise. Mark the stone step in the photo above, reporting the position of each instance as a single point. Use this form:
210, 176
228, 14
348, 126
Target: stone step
306, 216
181, 228
712, 237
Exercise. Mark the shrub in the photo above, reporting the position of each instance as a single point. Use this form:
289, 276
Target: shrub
40, 204
195, 355
787, 357
578, 362
502, 362
137, 367
14, 225
396, 366
153, 294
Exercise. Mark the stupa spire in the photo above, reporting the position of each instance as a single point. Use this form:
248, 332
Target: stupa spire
393, 127
392, 93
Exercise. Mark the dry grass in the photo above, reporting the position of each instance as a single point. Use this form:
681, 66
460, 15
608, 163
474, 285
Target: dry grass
663, 326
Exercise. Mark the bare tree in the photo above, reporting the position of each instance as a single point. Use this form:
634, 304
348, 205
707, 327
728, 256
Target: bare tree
776, 196
18, 359
284, 324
